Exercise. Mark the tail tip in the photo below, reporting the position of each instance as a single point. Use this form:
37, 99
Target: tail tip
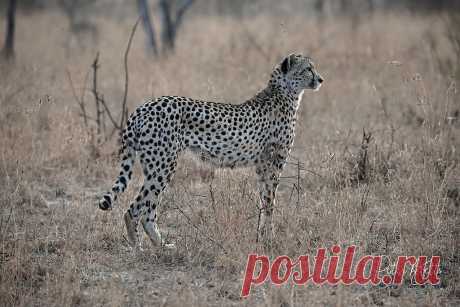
105, 203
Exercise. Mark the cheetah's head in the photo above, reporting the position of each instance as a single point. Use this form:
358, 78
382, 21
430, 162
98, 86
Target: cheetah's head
297, 73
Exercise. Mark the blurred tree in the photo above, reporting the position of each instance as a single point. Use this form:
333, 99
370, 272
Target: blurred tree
8, 48
171, 20
79, 24
171, 13
319, 6
234, 7
144, 12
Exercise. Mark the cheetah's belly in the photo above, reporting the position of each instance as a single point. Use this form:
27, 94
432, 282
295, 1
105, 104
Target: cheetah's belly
229, 145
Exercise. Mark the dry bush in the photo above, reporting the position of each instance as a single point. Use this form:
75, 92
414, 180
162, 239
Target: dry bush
57, 248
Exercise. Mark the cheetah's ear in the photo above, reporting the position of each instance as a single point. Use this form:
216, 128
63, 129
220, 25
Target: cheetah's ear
287, 63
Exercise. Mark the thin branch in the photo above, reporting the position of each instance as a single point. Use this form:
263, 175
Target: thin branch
95, 66
6, 224
253, 41
114, 122
87, 117
124, 110
363, 203
362, 163
79, 101
84, 88
189, 220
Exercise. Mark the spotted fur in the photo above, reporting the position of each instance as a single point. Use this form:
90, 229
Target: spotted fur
258, 132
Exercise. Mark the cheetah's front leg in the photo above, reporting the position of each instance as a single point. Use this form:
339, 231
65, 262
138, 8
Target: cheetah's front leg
267, 191
265, 229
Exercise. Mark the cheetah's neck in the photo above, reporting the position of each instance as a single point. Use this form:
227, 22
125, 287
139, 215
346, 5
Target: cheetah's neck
278, 98
298, 100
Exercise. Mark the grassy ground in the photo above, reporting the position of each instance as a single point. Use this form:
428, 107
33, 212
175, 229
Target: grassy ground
382, 75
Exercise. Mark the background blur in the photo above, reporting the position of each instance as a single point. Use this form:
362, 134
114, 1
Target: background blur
375, 161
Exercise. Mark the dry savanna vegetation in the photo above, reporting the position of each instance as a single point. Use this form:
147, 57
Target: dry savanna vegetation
393, 191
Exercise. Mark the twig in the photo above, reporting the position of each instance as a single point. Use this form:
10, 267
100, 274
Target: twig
258, 224
6, 224
87, 117
84, 88
253, 41
80, 102
200, 231
362, 162
104, 131
124, 109
213, 199
298, 183
109, 114
95, 66
363, 203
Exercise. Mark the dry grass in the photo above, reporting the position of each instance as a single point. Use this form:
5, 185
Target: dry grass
57, 248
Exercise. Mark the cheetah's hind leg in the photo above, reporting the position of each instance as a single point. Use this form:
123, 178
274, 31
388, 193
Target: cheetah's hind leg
132, 224
151, 227
156, 180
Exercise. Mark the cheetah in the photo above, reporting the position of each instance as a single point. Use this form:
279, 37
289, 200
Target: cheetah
258, 133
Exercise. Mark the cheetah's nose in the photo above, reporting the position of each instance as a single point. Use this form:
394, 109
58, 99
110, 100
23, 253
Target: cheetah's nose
320, 80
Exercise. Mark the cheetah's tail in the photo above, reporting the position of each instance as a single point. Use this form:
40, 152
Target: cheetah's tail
128, 153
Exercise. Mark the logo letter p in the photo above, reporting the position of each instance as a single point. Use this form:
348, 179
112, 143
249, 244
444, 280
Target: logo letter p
249, 277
